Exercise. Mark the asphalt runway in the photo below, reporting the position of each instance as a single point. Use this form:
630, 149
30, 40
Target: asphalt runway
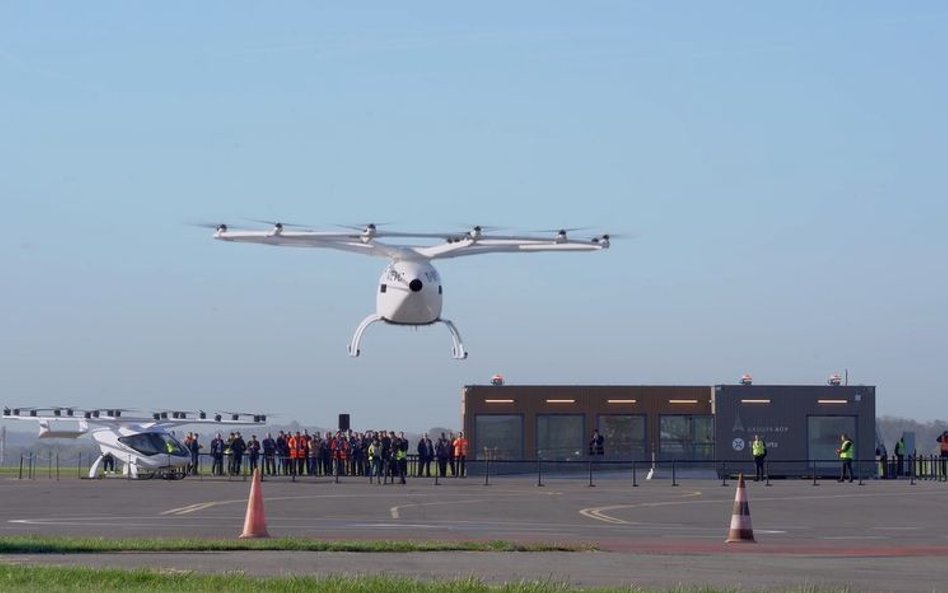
882, 536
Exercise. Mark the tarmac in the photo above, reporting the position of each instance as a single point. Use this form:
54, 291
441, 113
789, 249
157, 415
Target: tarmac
883, 536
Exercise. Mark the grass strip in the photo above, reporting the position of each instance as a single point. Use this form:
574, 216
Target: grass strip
49, 579
36, 544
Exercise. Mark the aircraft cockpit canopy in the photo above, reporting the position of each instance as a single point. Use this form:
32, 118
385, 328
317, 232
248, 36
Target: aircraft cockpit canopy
154, 443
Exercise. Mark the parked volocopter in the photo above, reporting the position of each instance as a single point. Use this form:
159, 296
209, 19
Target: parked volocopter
143, 446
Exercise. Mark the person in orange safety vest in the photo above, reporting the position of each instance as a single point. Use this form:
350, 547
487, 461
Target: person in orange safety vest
460, 454
292, 444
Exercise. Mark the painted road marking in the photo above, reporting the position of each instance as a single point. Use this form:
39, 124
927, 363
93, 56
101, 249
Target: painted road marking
598, 513
191, 508
396, 510
400, 525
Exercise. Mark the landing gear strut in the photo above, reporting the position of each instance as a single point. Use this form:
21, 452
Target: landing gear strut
457, 351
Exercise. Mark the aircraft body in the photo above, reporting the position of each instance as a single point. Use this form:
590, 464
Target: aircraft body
410, 290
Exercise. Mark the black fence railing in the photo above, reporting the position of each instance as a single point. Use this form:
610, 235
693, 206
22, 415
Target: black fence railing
56, 466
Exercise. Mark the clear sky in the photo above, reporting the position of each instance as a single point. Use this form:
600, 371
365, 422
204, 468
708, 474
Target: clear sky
779, 171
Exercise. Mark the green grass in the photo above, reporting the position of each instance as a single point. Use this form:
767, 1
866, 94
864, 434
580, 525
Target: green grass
33, 544
28, 579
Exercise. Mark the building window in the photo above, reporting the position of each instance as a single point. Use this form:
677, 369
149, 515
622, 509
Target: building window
624, 435
499, 436
822, 438
686, 437
560, 436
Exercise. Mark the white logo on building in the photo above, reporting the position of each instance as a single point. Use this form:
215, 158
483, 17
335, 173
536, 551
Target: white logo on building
737, 444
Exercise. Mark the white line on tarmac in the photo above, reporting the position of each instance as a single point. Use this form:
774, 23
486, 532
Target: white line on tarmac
191, 508
395, 511
598, 513
399, 525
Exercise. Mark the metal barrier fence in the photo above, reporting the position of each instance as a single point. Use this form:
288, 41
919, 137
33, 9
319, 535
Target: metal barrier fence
33, 465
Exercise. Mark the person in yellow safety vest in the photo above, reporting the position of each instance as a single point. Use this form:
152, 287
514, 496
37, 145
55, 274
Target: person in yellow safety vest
375, 461
900, 457
845, 453
401, 455
759, 451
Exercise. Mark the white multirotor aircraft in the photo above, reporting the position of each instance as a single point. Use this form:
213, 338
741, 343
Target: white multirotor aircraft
410, 289
142, 445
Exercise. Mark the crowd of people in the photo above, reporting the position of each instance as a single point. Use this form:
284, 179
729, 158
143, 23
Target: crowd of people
378, 455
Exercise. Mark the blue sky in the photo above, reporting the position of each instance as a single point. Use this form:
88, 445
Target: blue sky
779, 172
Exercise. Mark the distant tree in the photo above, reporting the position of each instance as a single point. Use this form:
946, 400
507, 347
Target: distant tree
891, 428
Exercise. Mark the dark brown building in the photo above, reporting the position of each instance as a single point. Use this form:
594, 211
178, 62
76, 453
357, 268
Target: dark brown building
556, 422
801, 423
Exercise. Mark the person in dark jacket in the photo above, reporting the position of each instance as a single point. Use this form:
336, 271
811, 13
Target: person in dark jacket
195, 448
597, 444
425, 454
253, 452
217, 455
269, 455
237, 448
442, 454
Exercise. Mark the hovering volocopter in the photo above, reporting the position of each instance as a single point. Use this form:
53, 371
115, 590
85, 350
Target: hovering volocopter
410, 290
142, 445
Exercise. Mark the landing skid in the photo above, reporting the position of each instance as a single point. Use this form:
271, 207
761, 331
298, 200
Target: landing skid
457, 351
357, 337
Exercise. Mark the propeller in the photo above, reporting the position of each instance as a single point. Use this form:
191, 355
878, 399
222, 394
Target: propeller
563, 231
368, 227
366, 231
67, 411
217, 226
279, 225
608, 236
476, 231
235, 416
486, 228
221, 227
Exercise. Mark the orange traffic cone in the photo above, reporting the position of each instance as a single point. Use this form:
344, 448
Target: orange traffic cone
255, 524
741, 530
